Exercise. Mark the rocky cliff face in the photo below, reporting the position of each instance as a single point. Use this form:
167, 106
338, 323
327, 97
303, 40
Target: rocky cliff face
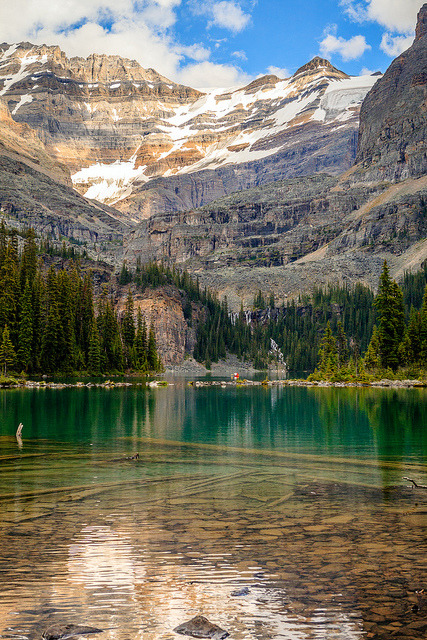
292, 234
393, 118
134, 139
163, 306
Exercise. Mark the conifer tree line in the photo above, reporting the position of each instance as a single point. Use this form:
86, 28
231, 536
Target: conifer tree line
349, 313
398, 340
50, 322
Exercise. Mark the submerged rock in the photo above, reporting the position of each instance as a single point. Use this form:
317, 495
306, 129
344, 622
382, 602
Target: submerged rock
200, 627
61, 632
240, 592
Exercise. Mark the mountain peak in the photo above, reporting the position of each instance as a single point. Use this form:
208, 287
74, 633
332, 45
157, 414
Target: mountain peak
318, 63
421, 28
263, 81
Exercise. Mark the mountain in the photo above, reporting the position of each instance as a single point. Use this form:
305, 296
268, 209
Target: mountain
136, 140
289, 235
272, 164
35, 190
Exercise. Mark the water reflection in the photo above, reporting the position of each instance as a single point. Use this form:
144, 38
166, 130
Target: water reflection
293, 493
363, 422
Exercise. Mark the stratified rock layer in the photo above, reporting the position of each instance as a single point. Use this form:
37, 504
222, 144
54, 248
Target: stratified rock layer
137, 140
287, 236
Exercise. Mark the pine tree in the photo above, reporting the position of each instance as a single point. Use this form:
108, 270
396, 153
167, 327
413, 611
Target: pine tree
25, 333
7, 352
94, 356
141, 343
372, 359
152, 357
328, 356
391, 319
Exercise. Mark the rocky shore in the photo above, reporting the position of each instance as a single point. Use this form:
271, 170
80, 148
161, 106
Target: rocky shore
241, 382
406, 384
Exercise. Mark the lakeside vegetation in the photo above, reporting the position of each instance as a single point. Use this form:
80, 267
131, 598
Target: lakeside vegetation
50, 322
344, 332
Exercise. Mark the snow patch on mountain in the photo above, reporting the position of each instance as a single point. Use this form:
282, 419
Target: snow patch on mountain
109, 182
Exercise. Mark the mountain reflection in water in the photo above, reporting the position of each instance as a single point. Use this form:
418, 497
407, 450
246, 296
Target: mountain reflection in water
294, 493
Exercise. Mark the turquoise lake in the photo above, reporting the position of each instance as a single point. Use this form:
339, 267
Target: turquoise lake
295, 493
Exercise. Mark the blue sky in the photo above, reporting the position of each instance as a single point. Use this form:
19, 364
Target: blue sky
219, 42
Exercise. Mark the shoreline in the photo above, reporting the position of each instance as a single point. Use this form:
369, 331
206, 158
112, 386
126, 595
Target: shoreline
110, 384
383, 383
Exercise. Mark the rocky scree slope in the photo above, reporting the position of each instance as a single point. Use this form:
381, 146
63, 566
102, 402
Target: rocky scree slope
289, 235
135, 139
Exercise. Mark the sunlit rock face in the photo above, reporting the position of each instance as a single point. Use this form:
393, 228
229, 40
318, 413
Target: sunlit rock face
36, 190
137, 140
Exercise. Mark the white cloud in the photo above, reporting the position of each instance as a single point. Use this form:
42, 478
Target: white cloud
278, 71
226, 14
350, 49
138, 29
393, 46
209, 75
240, 54
195, 51
396, 15
229, 15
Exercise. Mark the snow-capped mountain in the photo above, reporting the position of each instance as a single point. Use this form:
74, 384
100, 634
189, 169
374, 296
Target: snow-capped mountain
133, 139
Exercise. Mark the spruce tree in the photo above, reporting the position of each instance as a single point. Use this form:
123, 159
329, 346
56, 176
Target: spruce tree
28, 267
328, 356
3, 242
391, 319
9, 291
342, 346
423, 330
94, 356
152, 357
141, 343
25, 333
128, 323
7, 352
372, 359
52, 340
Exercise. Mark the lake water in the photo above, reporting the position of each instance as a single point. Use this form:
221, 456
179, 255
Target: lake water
295, 493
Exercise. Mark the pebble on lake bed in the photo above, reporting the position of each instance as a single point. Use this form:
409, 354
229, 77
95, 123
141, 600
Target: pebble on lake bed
61, 632
200, 627
240, 592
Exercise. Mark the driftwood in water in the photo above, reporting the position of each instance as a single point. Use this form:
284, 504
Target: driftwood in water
18, 434
415, 484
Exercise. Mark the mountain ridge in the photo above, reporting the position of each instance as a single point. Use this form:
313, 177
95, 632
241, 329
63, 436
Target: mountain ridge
290, 235
119, 128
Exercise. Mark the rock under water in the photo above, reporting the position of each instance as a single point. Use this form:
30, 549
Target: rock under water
200, 627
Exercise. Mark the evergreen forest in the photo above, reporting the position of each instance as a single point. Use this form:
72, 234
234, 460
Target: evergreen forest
50, 322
